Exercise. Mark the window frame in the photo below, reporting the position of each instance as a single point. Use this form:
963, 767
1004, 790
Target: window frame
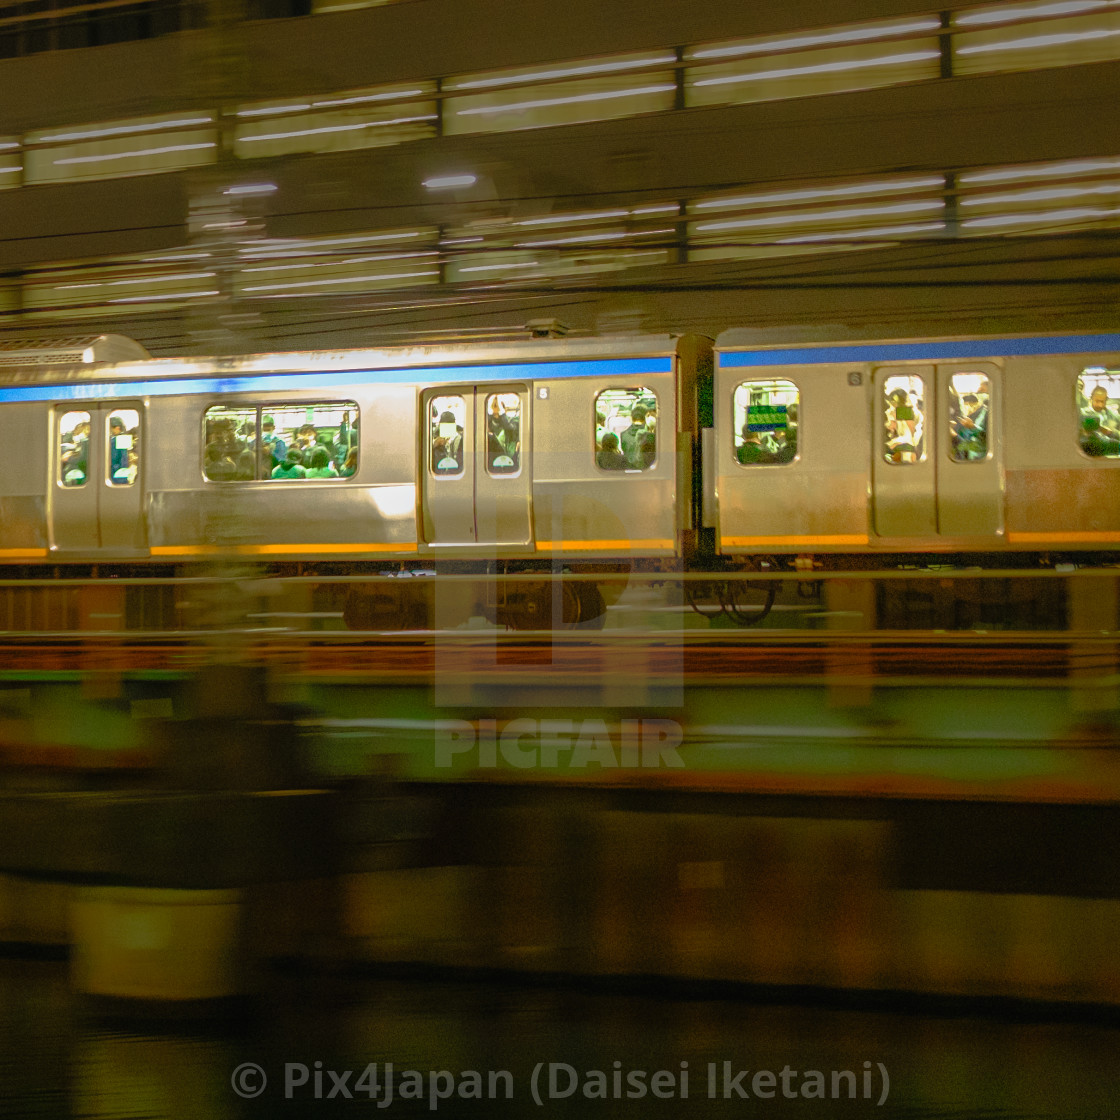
259, 409
1095, 459
431, 425
736, 433
882, 407
949, 389
644, 392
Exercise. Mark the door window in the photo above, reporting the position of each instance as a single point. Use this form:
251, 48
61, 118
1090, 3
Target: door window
503, 433
903, 406
970, 397
73, 448
447, 423
1098, 408
765, 421
626, 430
122, 441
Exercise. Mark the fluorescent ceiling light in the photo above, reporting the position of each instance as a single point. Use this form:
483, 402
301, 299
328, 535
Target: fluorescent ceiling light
849, 35
487, 110
450, 182
821, 68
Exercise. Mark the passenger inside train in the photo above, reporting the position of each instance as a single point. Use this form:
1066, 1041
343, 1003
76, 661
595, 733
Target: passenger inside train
969, 407
232, 452
904, 419
765, 422
626, 429
1099, 432
503, 433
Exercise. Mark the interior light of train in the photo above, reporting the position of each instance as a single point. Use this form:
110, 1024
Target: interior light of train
486, 110
1048, 193
1041, 41
295, 133
1007, 15
122, 130
863, 234
820, 216
1047, 216
848, 35
578, 71
820, 68
1040, 170
135, 153
818, 192
448, 182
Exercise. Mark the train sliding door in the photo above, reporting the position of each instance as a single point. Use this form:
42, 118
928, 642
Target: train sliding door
475, 468
937, 469
96, 489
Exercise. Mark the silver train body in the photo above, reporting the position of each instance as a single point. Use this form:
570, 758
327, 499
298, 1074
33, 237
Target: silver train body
1034, 489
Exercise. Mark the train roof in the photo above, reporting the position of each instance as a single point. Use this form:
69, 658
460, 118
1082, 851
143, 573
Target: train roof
743, 347
78, 350
622, 356
329, 361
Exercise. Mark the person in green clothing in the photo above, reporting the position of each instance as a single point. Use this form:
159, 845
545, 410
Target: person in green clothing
751, 449
292, 467
321, 465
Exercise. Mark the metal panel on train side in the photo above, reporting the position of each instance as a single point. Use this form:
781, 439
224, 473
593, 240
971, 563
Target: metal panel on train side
928, 481
903, 461
503, 491
580, 508
1058, 497
371, 514
471, 499
23, 483
970, 492
96, 478
817, 502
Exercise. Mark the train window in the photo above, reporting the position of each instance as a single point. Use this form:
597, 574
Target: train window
765, 421
229, 442
503, 433
298, 441
73, 448
969, 406
626, 430
904, 419
1098, 403
122, 441
310, 441
447, 420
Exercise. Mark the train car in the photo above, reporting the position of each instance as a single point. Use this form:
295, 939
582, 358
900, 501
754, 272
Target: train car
552, 455
877, 453
483, 458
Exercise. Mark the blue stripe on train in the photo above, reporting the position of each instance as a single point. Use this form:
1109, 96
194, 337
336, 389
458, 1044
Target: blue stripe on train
619, 368
920, 351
